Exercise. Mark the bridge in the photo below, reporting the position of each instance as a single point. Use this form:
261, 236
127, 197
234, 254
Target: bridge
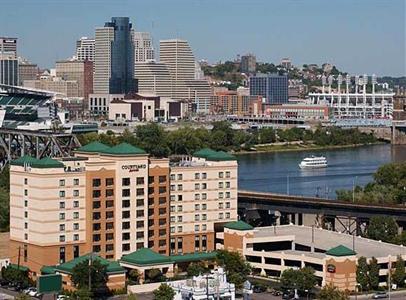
15, 143
270, 209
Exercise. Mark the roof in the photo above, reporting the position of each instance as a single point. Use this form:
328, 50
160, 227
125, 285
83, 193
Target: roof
193, 257
94, 147
210, 154
340, 250
238, 225
112, 266
48, 270
124, 149
45, 162
22, 268
145, 256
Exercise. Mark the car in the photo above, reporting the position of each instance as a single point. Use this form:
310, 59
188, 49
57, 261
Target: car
27, 290
288, 296
259, 289
276, 293
62, 297
380, 295
33, 292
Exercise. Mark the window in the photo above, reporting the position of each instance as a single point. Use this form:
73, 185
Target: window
75, 251
227, 215
140, 202
197, 243
125, 181
125, 193
204, 196
140, 192
109, 225
62, 182
109, 214
26, 193
173, 219
140, 213
75, 226
96, 248
61, 204
125, 236
228, 205
162, 179
25, 236
75, 181
180, 187
140, 180
204, 217
173, 208
228, 185
180, 218
61, 194
197, 186
172, 229
180, 208
61, 255
180, 228
25, 203
228, 174
180, 176
221, 195
109, 192
197, 227
26, 225
109, 247
61, 227
204, 206
75, 203
61, 238
109, 203
197, 176
197, 217
172, 177
204, 186
140, 224
125, 203
221, 216
172, 187
221, 174
96, 194
75, 193
126, 225
228, 194
126, 214
204, 227
25, 180
204, 175
150, 179
96, 226
162, 211
96, 182
220, 185
162, 189
26, 214
180, 197
125, 247
109, 181
221, 205
61, 216
197, 196
96, 204
76, 215
76, 237
197, 206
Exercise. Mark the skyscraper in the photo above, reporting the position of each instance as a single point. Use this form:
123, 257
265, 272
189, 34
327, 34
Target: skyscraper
8, 46
248, 64
153, 78
273, 87
8, 61
85, 49
114, 58
144, 50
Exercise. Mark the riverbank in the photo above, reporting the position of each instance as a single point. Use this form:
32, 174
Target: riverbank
291, 147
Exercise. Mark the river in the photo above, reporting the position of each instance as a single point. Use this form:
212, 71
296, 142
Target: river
278, 172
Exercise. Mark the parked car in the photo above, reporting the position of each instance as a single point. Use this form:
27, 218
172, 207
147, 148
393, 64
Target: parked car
259, 289
380, 295
27, 290
62, 297
33, 292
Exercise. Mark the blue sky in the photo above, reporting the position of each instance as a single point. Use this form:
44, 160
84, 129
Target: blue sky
359, 36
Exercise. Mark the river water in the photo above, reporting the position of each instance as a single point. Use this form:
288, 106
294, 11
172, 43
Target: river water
279, 172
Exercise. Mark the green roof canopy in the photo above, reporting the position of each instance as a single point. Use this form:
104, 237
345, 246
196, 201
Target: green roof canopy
46, 162
48, 270
238, 225
124, 149
112, 266
94, 147
22, 268
193, 257
210, 154
145, 256
204, 153
341, 251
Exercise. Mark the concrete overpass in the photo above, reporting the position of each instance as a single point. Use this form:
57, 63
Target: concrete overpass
331, 214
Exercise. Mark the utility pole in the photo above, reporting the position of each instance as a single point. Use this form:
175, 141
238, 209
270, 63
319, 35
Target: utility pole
90, 271
389, 276
18, 259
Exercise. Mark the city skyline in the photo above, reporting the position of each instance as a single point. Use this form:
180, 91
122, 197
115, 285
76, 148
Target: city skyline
345, 34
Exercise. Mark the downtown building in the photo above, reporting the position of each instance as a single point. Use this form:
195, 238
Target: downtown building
8, 61
85, 49
143, 47
233, 103
272, 87
113, 201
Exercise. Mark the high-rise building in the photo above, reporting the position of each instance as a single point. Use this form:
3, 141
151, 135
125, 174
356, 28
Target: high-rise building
112, 201
272, 87
8, 46
26, 71
286, 63
114, 58
79, 71
8, 69
85, 49
248, 64
231, 103
144, 49
153, 78
66, 88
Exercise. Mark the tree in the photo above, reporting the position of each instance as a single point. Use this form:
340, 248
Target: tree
195, 269
152, 139
154, 275
382, 228
399, 276
373, 274
267, 135
80, 275
164, 292
362, 273
302, 280
4, 209
82, 294
134, 275
237, 269
330, 292
13, 274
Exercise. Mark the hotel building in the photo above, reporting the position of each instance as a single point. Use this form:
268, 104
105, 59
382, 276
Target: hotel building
112, 201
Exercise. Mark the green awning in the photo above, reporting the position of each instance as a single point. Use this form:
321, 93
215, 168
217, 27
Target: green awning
191, 257
238, 225
341, 250
145, 256
22, 268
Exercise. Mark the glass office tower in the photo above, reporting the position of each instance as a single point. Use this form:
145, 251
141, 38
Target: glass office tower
273, 87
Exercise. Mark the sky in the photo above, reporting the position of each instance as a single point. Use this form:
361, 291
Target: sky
358, 36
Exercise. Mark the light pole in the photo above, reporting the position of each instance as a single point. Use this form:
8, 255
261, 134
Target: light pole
353, 188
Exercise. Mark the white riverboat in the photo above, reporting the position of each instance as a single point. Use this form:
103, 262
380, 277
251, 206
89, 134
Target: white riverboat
313, 162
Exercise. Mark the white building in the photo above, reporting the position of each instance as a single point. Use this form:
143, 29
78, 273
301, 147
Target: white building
99, 103
85, 49
153, 77
144, 49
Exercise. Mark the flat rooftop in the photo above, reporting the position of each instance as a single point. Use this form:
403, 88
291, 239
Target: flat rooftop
326, 239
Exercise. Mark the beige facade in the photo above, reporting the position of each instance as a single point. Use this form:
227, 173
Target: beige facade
67, 88
79, 71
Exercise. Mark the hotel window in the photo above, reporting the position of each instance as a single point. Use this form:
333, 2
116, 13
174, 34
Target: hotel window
162, 179
180, 187
173, 197
125, 203
139, 235
140, 213
140, 180
197, 176
204, 175
61, 227
221, 216
180, 197
61, 216
173, 219
109, 214
180, 208
61, 204
227, 215
96, 248
204, 242
172, 187
221, 205
197, 227
75, 193
228, 194
204, 186
125, 247
180, 228
96, 226
220, 185
204, 196
96, 194
228, 205
204, 217
109, 181
76, 215
96, 182
96, 237
109, 203
140, 224
75, 203
126, 214
197, 243
197, 196
172, 230
172, 177
140, 192
125, 225
61, 255
228, 174
61, 194
125, 236
180, 176
62, 182
75, 181
25, 180
204, 206
197, 186
76, 237
180, 219
61, 238
221, 195
197, 206
204, 227
172, 208
221, 174
75, 226
125, 181
109, 192
96, 204
197, 217
228, 185
162, 189
125, 193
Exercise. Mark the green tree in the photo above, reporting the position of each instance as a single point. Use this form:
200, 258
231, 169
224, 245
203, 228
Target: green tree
134, 275
362, 273
154, 275
13, 274
164, 292
4, 209
184, 141
373, 274
97, 270
195, 269
152, 139
382, 228
82, 294
266, 135
399, 276
330, 292
237, 269
302, 279
222, 135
